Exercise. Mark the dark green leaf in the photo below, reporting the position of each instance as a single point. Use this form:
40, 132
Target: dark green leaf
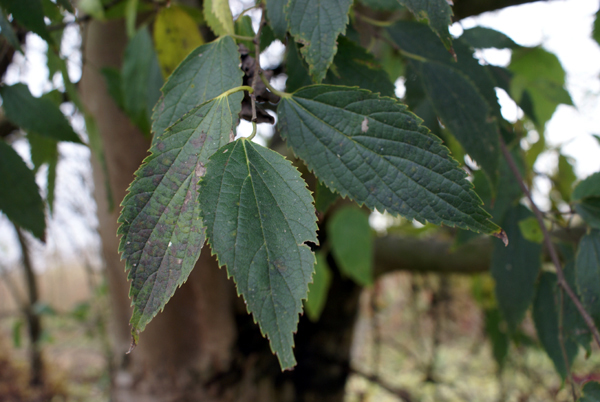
324, 197
352, 66
30, 14
45, 150
22, 204
383, 5
52, 11
258, 215
243, 27
351, 241
586, 197
596, 30
591, 392
316, 25
587, 273
66, 4
276, 17
205, 73
112, 77
317, 290
495, 328
546, 308
540, 74
574, 325
464, 112
160, 221
36, 114
141, 79
374, 151
7, 31
515, 268
437, 12
484, 38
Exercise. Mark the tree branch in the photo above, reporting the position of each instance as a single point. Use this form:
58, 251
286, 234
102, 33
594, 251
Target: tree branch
467, 8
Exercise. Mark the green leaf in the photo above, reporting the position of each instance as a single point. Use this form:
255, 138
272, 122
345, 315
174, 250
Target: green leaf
207, 72
485, 38
316, 25
176, 34
438, 14
130, 16
591, 392
217, 15
564, 177
546, 307
66, 4
94, 8
587, 272
318, 289
383, 5
374, 151
160, 221
277, 17
22, 204
515, 268
52, 11
112, 77
243, 27
7, 31
258, 215
464, 112
586, 198
495, 328
351, 241
574, 325
596, 29
540, 74
352, 66
140, 79
530, 230
36, 114
45, 150
29, 14
324, 197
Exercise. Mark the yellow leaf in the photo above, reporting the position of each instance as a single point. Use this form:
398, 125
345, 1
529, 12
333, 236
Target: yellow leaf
175, 36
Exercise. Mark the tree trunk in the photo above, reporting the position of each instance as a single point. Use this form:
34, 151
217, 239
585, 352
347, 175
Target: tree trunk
204, 345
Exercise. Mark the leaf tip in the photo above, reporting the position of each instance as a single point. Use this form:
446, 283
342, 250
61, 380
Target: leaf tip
134, 341
502, 236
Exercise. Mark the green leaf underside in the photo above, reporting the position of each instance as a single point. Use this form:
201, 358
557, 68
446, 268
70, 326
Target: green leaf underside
316, 24
515, 268
206, 72
351, 241
25, 110
374, 151
318, 289
437, 12
160, 222
591, 392
22, 204
587, 271
546, 320
258, 215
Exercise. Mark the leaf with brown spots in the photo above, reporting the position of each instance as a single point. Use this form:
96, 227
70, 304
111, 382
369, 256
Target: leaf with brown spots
160, 221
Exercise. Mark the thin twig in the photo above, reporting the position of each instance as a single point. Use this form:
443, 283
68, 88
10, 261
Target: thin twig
549, 246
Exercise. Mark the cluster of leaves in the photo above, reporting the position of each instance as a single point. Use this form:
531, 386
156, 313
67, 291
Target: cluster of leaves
340, 117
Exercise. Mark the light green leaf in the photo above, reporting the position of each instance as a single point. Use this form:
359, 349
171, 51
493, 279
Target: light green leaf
29, 14
591, 392
540, 74
485, 38
92, 7
318, 289
587, 273
140, 79
546, 308
437, 12
22, 204
586, 198
39, 115
258, 215
351, 241
217, 15
9, 34
515, 268
130, 16
352, 66
530, 230
276, 17
176, 34
316, 25
160, 221
206, 73
564, 177
373, 150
